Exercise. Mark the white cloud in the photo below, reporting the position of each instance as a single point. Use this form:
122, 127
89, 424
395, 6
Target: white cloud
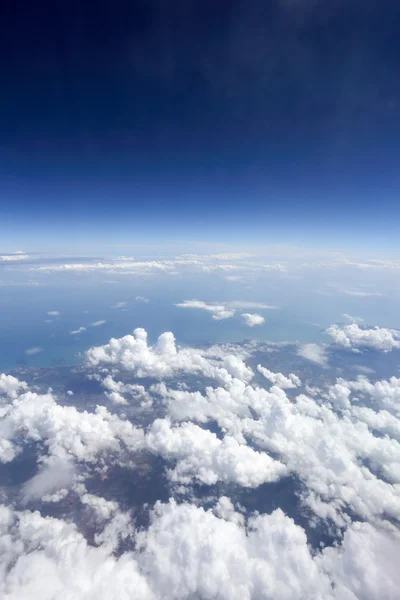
219, 311
226, 310
314, 352
253, 319
361, 293
98, 323
280, 380
119, 305
13, 257
142, 299
192, 553
77, 331
202, 456
52, 477
10, 386
65, 431
33, 351
353, 337
53, 313
351, 319
121, 265
163, 359
243, 304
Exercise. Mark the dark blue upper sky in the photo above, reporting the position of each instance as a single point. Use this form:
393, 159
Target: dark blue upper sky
200, 114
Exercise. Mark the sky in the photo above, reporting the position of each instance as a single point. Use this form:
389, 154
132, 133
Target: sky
199, 300
147, 122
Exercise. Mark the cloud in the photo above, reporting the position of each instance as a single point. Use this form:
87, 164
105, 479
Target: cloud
77, 331
53, 313
51, 478
164, 359
314, 352
192, 553
361, 293
13, 257
119, 305
289, 382
226, 310
219, 311
98, 323
119, 266
340, 442
142, 299
353, 337
351, 319
253, 319
33, 351
200, 455
65, 431
243, 304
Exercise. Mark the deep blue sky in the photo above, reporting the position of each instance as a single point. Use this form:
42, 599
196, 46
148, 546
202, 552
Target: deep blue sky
200, 118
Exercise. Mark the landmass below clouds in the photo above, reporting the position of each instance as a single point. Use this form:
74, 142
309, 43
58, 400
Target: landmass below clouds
342, 442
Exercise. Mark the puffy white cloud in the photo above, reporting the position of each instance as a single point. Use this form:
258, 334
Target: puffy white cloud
253, 319
280, 380
202, 456
66, 432
103, 509
365, 565
115, 389
163, 359
192, 553
10, 386
354, 337
314, 352
47, 558
315, 440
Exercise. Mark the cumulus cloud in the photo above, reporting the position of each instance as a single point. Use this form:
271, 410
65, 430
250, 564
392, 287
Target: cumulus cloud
341, 442
202, 456
314, 352
353, 337
253, 319
192, 552
65, 431
164, 359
